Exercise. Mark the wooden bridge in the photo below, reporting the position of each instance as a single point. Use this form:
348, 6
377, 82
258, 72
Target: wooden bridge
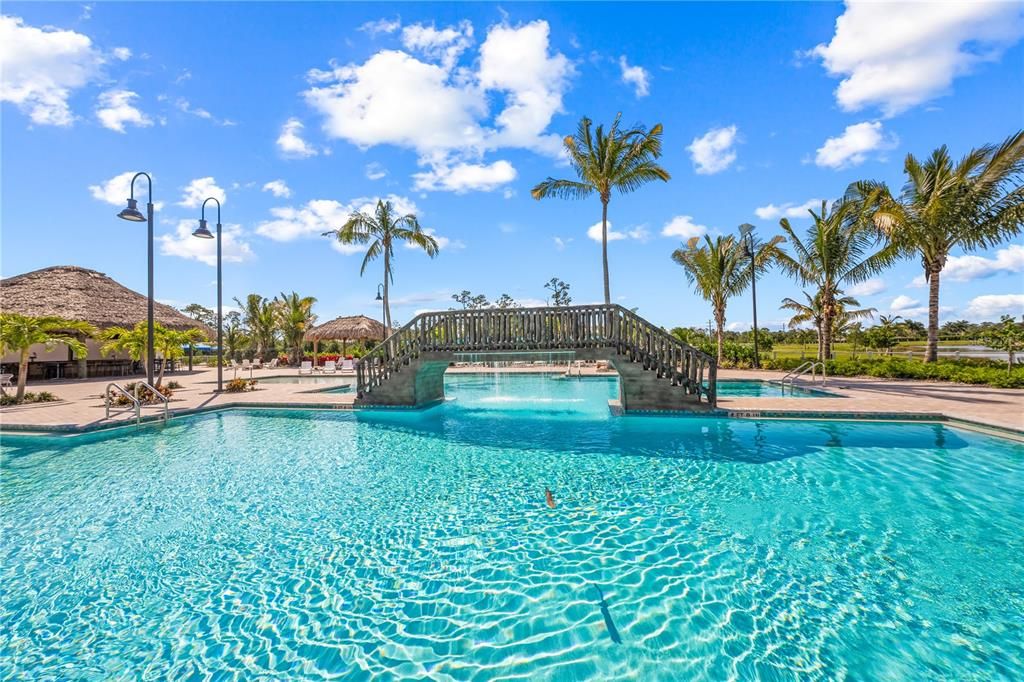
657, 371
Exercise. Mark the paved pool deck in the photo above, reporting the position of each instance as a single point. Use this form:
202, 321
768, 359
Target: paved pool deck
81, 405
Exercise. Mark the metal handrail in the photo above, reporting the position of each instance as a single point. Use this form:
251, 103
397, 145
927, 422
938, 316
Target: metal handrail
120, 389
809, 366
158, 394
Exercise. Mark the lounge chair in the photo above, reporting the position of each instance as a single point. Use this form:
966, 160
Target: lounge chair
330, 367
257, 364
5, 380
348, 366
306, 367
272, 364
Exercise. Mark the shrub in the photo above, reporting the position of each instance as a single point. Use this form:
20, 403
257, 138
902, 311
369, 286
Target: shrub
240, 385
972, 371
29, 397
146, 396
173, 385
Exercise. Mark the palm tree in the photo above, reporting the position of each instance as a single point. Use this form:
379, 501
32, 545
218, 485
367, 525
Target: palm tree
622, 160
132, 341
720, 269
294, 317
259, 318
20, 332
838, 249
170, 344
975, 203
811, 311
382, 231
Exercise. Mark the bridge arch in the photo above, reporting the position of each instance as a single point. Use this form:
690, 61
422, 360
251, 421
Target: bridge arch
657, 371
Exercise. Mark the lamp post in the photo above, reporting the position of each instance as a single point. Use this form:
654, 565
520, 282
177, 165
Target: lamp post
133, 214
380, 297
747, 231
204, 233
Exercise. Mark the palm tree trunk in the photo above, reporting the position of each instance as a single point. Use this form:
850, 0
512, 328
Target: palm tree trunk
932, 352
387, 304
826, 338
22, 374
604, 257
719, 332
163, 365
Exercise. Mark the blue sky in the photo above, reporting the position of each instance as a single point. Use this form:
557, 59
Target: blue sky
296, 114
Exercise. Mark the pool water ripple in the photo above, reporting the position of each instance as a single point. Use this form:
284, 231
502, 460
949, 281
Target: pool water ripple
390, 545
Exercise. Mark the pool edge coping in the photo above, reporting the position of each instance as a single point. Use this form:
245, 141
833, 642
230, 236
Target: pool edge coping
70, 430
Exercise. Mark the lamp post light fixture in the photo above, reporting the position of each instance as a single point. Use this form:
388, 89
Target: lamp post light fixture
203, 232
380, 297
132, 213
747, 232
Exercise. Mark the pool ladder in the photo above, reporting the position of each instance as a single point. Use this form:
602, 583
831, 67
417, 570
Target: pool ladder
134, 400
809, 366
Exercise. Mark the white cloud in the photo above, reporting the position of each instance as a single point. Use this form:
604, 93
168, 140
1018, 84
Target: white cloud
465, 177
853, 146
116, 190
594, 232
902, 302
444, 45
122, 53
991, 306
637, 76
185, 106
42, 67
279, 188
790, 210
683, 227
375, 171
869, 287
181, 243
115, 108
714, 151
374, 28
320, 215
639, 233
967, 268
290, 140
451, 124
197, 191
562, 242
899, 54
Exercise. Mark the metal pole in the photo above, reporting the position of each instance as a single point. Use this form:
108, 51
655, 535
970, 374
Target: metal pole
753, 293
220, 321
150, 345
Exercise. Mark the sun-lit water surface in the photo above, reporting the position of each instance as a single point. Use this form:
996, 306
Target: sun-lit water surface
394, 544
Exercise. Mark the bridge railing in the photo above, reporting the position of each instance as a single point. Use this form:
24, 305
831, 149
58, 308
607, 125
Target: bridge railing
549, 328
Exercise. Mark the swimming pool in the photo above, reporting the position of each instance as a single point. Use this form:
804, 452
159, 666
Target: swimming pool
390, 544
315, 379
738, 388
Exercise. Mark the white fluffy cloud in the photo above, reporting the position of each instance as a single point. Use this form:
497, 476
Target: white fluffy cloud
197, 191
375, 28
181, 243
868, 287
375, 171
899, 54
122, 54
443, 243
683, 227
116, 190
715, 150
290, 140
320, 215
279, 188
902, 302
451, 125
991, 306
42, 67
790, 210
465, 177
116, 108
967, 268
854, 145
444, 45
637, 76
594, 232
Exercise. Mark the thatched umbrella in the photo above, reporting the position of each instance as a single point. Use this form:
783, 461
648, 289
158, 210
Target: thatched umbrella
345, 329
86, 295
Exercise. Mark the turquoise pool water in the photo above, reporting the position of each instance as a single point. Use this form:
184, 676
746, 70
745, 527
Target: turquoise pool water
392, 544
765, 389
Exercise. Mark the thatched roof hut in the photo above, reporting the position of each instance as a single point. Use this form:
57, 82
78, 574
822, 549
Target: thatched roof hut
347, 328
81, 294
